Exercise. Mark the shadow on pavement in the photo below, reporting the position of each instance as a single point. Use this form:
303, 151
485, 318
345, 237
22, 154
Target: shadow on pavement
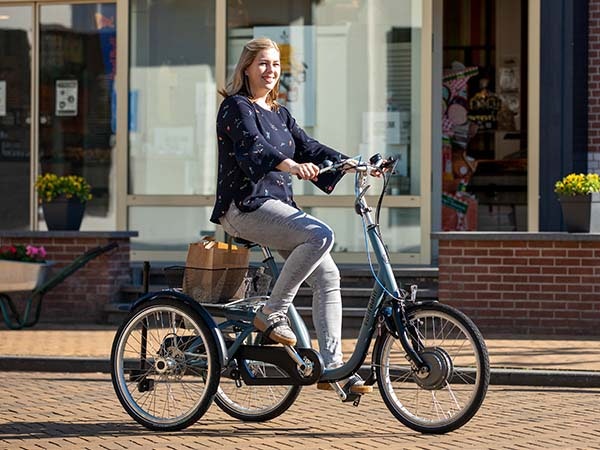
48, 430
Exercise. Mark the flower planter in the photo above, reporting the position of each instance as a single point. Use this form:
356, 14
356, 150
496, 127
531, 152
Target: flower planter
581, 213
21, 276
63, 213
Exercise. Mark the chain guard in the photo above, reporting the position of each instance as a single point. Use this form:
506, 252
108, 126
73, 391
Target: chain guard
278, 356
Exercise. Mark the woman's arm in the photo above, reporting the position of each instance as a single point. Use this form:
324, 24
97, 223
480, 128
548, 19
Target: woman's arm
309, 150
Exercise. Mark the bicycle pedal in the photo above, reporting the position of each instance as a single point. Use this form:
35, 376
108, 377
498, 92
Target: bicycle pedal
266, 340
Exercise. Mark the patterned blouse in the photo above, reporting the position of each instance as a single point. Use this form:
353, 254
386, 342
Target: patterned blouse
252, 141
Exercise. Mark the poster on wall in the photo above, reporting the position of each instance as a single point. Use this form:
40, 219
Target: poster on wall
66, 98
2, 98
297, 85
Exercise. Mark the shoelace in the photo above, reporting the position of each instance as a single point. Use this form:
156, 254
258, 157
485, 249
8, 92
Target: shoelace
276, 316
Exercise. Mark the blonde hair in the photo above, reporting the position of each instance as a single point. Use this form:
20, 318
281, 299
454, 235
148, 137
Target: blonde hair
238, 84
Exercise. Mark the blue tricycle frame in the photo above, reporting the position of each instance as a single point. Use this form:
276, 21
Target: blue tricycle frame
444, 353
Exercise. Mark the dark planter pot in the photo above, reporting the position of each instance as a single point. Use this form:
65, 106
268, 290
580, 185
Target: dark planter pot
581, 213
63, 214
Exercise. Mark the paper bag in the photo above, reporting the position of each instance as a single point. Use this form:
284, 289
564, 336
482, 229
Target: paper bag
215, 271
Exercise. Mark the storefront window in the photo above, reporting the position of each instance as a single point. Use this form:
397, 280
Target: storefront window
15, 116
484, 147
350, 75
351, 78
172, 112
77, 100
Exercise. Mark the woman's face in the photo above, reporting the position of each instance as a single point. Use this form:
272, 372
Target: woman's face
264, 72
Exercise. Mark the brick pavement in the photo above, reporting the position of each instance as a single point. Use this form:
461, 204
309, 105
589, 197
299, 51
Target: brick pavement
48, 410
517, 352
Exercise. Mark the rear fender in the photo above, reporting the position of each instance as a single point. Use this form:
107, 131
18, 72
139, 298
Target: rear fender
198, 308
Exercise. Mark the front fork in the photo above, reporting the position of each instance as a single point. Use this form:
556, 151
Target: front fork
395, 320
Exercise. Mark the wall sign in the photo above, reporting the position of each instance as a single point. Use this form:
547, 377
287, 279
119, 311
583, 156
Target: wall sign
66, 98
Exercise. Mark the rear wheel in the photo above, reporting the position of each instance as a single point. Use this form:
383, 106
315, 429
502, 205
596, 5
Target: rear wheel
164, 365
450, 394
252, 403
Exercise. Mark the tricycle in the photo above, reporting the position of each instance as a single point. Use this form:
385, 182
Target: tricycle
173, 355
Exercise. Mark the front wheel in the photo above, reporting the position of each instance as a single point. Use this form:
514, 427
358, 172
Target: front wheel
164, 365
450, 394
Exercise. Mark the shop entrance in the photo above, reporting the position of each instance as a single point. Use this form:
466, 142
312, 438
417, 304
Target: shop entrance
57, 105
484, 148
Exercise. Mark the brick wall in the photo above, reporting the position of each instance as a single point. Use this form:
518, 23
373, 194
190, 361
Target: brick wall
534, 287
594, 87
81, 297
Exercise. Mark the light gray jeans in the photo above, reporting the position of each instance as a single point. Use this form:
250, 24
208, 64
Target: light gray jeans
305, 243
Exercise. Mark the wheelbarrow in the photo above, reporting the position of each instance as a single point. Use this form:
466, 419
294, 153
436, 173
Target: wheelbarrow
30, 314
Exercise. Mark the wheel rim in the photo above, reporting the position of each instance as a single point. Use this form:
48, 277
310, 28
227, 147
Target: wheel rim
169, 384
448, 391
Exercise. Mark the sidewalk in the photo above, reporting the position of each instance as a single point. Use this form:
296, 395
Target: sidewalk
70, 347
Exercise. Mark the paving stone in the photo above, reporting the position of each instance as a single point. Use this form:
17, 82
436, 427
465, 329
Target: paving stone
60, 411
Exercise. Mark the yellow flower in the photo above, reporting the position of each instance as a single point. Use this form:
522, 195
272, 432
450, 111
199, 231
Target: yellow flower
50, 186
578, 184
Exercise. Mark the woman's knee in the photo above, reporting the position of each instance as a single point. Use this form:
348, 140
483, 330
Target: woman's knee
322, 237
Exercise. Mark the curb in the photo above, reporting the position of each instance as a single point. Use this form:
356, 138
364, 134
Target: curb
506, 377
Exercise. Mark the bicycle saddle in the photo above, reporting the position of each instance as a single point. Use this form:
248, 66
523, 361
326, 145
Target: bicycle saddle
244, 242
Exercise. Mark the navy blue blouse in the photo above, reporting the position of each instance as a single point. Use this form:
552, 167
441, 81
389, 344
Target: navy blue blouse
252, 142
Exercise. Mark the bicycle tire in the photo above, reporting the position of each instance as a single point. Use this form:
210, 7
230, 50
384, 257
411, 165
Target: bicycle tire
254, 403
282, 398
171, 383
457, 384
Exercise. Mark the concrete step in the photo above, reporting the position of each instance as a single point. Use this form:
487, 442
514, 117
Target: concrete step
352, 275
352, 296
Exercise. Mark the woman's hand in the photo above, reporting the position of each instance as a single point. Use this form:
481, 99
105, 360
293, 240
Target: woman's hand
351, 164
304, 171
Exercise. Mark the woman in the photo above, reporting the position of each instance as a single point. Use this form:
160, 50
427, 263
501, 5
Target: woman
260, 148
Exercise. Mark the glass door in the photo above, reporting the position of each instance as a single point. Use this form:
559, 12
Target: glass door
16, 42
77, 100
57, 97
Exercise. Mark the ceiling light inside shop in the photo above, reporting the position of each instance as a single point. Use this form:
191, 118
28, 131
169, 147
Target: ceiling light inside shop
4, 17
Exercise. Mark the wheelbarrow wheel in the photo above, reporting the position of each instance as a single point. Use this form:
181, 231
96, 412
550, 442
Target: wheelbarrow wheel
164, 365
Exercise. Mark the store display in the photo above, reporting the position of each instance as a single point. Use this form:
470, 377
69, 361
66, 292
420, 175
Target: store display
484, 106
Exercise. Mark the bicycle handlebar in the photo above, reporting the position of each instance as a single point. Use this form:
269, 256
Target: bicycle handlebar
376, 163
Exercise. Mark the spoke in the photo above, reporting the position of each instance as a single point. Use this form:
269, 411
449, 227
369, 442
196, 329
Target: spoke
437, 408
452, 396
